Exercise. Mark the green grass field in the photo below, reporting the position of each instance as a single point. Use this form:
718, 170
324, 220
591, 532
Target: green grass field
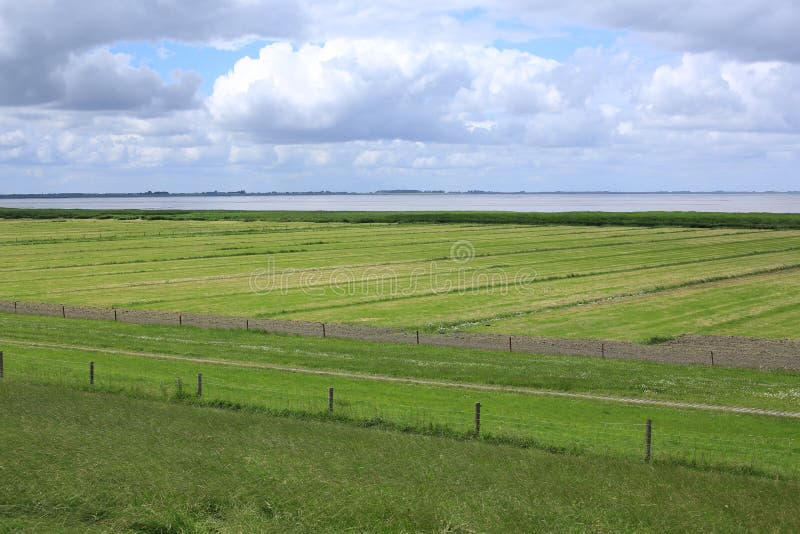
562, 438
616, 282
290, 374
77, 461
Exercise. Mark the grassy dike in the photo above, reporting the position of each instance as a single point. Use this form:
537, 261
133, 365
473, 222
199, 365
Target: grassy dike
77, 461
425, 390
775, 221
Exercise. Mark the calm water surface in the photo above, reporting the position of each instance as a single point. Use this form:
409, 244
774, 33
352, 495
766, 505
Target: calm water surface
760, 202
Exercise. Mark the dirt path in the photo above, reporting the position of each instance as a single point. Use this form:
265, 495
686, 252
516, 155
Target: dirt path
416, 381
697, 350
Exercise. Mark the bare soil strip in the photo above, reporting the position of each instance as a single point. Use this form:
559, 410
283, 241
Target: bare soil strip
691, 349
416, 381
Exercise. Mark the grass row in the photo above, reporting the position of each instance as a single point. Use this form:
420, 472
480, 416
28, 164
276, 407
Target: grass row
758, 306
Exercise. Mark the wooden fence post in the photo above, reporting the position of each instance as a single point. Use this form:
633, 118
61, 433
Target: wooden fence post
648, 434
199, 384
247, 324
509, 343
603, 350
417, 337
323, 330
91, 373
330, 400
477, 418
115, 315
712, 358
15, 306
180, 320
63, 312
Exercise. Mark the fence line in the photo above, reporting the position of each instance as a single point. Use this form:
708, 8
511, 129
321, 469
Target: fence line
624, 439
780, 354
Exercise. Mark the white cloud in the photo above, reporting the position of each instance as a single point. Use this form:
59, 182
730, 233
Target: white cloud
369, 158
425, 163
508, 81
38, 37
708, 92
298, 156
250, 154
392, 157
101, 80
380, 89
358, 95
468, 159
480, 125
751, 30
694, 87
12, 139
747, 29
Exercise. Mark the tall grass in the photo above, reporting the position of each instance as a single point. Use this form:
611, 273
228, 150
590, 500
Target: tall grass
589, 218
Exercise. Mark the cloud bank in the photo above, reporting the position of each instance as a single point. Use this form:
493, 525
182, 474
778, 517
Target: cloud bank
363, 96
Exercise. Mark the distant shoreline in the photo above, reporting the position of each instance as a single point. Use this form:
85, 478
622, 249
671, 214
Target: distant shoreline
165, 194
737, 202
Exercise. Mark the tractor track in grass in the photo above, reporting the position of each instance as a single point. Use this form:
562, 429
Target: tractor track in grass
411, 380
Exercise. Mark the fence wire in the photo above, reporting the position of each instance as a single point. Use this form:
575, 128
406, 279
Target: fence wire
753, 453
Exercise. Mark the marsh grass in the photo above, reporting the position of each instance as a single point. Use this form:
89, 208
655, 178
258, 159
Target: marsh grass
591, 218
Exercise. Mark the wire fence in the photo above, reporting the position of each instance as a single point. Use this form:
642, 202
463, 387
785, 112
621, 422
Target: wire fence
754, 454
759, 353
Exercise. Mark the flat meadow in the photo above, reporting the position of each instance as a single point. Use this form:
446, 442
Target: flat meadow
630, 283
119, 426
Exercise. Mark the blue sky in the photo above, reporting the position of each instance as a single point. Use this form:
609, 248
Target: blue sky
350, 95
165, 57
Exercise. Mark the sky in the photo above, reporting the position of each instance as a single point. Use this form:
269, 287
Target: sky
294, 95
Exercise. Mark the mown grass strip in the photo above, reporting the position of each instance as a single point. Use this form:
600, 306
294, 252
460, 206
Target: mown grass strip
621, 296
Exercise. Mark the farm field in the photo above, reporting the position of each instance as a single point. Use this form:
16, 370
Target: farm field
182, 428
429, 389
771, 301
77, 461
609, 282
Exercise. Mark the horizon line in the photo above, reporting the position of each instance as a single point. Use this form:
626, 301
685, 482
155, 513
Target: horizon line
241, 193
